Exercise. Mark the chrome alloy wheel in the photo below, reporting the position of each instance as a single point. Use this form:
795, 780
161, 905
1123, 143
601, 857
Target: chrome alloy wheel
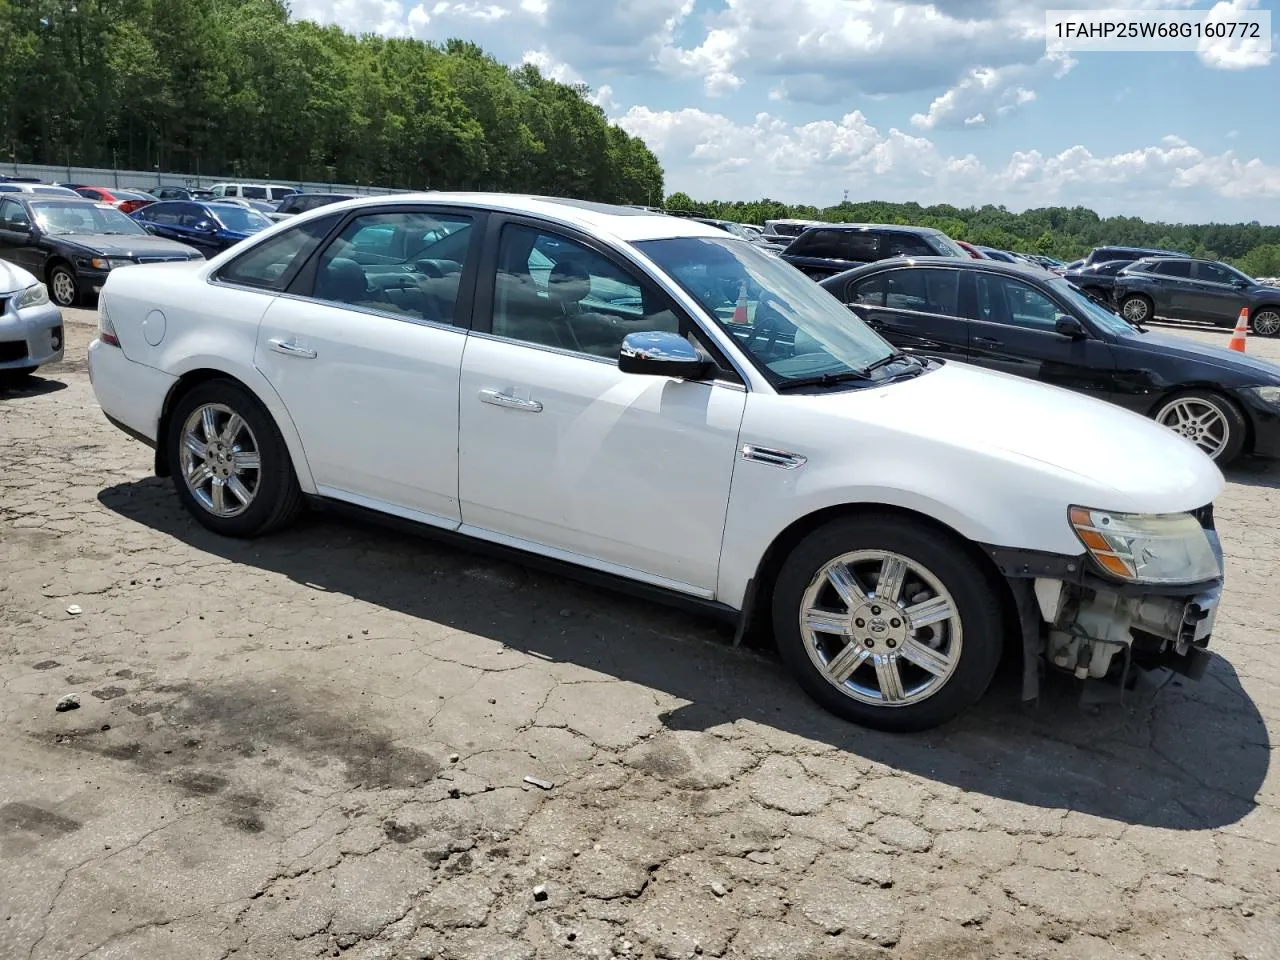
1266, 323
881, 628
220, 460
1201, 422
1135, 309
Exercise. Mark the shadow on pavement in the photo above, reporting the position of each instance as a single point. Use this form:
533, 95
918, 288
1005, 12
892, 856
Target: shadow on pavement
1188, 756
1255, 473
27, 386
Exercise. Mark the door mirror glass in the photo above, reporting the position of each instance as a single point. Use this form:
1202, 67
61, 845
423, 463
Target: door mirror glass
19, 226
661, 354
1069, 326
205, 226
149, 227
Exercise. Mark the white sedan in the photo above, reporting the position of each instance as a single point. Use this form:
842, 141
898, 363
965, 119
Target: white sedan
645, 397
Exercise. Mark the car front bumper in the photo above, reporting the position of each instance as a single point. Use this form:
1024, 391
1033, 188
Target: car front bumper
1264, 424
90, 280
30, 337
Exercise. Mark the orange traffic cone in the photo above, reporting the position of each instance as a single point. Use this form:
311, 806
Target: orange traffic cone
1241, 331
740, 310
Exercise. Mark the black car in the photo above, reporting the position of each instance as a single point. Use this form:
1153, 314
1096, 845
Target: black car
209, 227
827, 250
1130, 254
72, 244
302, 202
181, 193
1185, 289
1024, 321
1096, 279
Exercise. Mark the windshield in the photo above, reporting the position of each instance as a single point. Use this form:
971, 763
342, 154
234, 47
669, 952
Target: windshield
240, 219
61, 219
1093, 310
945, 245
788, 325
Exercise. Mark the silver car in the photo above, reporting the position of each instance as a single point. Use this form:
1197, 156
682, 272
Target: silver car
30, 326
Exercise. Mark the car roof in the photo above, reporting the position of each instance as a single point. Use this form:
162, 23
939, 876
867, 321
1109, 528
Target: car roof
58, 198
899, 227
1022, 271
627, 224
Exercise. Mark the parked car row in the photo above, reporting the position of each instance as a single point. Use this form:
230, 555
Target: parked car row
739, 440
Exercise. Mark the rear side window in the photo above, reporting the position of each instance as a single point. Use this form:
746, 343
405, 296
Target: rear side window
271, 264
924, 291
819, 243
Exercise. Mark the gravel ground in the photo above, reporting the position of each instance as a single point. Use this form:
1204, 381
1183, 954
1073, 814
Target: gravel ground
316, 745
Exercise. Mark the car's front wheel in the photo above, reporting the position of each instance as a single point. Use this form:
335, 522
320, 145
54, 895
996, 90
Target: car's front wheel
1209, 420
63, 289
229, 463
1136, 308
888, 622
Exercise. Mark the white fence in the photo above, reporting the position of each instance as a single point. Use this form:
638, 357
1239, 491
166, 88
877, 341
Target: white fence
143, 180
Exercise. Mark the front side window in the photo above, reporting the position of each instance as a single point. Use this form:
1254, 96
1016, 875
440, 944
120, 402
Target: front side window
790, 328
555, 292
1012, 302
904, 245
254, 193
392, 263
13, 214
269, 265
945, 246
78, 217
819, 243
1218, 273
1177, 269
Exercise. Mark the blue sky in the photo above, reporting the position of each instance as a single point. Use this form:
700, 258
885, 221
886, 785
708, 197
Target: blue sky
954, 101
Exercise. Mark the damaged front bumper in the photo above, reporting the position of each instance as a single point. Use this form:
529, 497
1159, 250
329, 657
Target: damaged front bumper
1084, 622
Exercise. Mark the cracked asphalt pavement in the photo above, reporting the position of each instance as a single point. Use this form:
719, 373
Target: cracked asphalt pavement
315, 745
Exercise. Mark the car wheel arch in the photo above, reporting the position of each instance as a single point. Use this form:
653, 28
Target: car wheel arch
758, 600
192, 378
1215, 389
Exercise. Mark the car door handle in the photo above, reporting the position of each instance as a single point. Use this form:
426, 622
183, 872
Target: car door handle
291, 348
507, 400
988, 341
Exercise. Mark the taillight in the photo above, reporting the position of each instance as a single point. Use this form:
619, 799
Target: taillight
106, 329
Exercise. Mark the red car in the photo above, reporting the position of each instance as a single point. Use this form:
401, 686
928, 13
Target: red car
973, 251
126, 201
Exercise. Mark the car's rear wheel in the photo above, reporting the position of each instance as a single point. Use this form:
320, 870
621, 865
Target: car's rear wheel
888, 622
63, 289
1266, 322
1209, 420
1136, 308
229, 464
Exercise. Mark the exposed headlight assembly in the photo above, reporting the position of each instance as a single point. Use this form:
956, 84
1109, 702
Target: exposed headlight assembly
110, 263
1146, 548
35, 295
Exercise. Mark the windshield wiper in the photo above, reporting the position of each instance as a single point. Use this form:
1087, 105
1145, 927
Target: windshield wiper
894, 358
825, 379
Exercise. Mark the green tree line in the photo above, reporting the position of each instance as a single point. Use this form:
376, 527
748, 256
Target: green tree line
234, 87
1063, 232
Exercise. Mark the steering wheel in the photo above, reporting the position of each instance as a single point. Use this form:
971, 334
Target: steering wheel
769, 322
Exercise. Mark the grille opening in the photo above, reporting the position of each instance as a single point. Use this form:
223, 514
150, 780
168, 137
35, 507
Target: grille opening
13, 350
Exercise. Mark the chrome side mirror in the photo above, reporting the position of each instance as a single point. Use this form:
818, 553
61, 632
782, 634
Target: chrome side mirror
661, 354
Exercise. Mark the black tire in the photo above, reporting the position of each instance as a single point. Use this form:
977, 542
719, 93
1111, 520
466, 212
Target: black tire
277, 499
1147, 307
1270, 326
62, 270
1234, 420
976, 599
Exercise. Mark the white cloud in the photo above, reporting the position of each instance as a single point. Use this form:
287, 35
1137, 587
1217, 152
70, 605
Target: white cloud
359, 16
988, 92
551, 68
1234, 53
710, 156
603, 98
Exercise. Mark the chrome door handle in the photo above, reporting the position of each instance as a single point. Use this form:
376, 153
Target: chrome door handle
507, 400
291, 348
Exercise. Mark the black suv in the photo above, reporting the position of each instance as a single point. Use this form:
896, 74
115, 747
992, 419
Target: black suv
1179, 288
824, 251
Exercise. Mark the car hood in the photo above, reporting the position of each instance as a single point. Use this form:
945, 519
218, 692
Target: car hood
1114, 459
1173, 346
111, 245
14, 279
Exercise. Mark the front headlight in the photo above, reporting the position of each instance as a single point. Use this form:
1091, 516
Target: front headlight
110, 263
1147, 548
1269, 395
35, 295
